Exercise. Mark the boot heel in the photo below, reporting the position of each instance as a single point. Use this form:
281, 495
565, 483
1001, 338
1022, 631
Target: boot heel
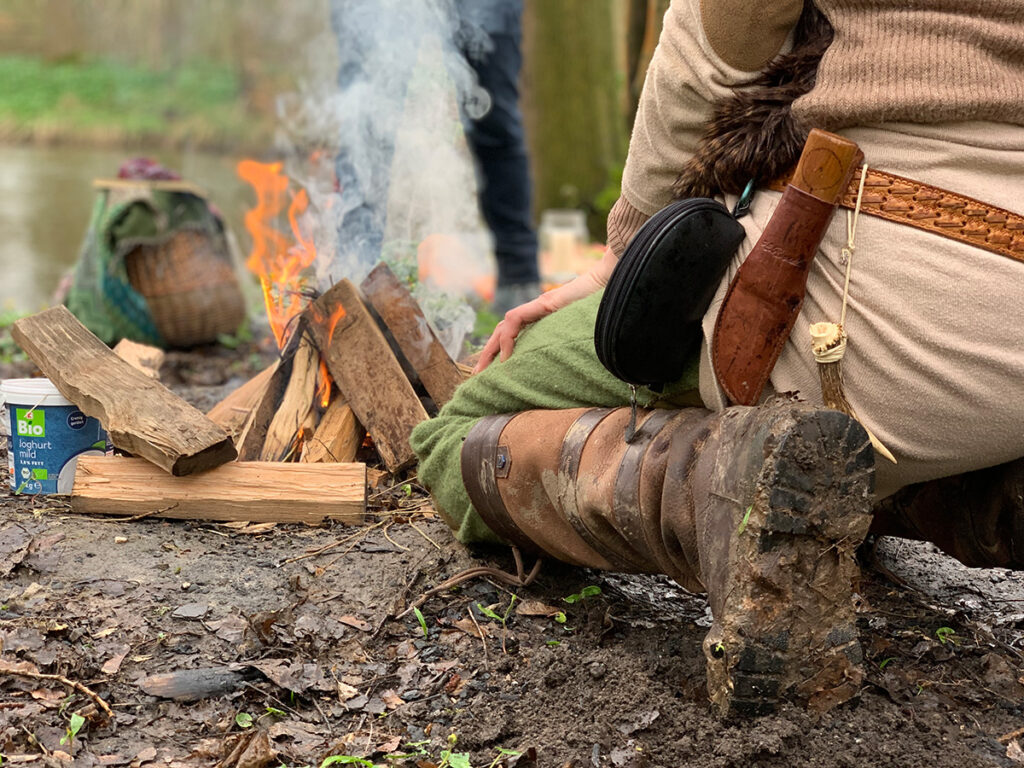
786, 627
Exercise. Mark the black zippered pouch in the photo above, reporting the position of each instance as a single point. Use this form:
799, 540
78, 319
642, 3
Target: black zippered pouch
648, 323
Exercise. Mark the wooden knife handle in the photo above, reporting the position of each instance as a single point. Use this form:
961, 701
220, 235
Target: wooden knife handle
826, 166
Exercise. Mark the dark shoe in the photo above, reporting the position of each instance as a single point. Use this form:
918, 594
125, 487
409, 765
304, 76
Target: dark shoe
762, 507
976, 517
786, 500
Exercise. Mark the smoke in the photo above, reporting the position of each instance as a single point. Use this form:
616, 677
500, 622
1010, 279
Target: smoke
382, 154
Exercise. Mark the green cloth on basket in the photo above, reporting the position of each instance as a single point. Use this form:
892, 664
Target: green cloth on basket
101, 295
554, 366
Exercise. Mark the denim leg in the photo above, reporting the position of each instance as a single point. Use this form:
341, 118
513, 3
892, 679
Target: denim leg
498, 141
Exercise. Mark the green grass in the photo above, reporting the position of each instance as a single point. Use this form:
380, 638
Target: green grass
106, 101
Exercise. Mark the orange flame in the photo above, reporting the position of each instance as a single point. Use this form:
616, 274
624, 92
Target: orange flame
323, 387
278, 261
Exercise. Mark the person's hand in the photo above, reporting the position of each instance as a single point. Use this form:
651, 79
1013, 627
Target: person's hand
504, 337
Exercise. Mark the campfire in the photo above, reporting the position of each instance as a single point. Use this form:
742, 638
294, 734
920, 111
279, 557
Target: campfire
350, 358
358, 368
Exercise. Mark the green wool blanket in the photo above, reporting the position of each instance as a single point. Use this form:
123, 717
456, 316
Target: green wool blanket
554, 366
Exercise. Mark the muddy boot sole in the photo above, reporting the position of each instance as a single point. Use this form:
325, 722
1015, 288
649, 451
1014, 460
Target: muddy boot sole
786, 623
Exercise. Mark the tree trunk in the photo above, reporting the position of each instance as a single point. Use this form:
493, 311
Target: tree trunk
573, 103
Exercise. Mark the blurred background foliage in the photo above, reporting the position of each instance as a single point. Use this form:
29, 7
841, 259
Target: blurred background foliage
207, 74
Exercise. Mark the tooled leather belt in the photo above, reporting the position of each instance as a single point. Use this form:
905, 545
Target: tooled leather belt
935, 210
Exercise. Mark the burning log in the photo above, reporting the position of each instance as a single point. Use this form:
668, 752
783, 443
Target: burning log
238, 491
417, 341
337, 438
296, 416
367, 373
233, 411
140, 414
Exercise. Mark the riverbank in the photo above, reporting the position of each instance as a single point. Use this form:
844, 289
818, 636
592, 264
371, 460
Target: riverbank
99, 102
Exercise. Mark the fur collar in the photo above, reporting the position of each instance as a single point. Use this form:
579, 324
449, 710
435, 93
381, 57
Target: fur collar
753, 133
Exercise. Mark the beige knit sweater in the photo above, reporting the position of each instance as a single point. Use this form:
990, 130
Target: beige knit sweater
931, 90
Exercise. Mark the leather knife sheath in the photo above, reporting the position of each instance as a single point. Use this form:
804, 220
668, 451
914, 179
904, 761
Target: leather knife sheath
764, 298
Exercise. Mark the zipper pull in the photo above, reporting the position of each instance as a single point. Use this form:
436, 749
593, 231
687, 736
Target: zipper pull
631, 427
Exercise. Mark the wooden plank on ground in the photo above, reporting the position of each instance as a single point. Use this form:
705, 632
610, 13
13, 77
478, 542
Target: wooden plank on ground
256, 491
140, 414
420, 346
338, 436
367, 373
233, 411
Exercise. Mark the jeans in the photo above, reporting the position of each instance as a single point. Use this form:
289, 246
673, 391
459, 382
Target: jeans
487, 33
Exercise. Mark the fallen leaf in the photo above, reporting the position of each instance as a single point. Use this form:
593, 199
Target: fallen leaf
230, 629
536, 608
642, 722
346, 691
249, 529
258, 753
295, 677
1014, 752
145, 756
455, 684
191, 611
391, 699
113, 664
51, 699
42, 557
106, 632
14, 541
14, 667
356, 623
112, 759
467, 626
64, 757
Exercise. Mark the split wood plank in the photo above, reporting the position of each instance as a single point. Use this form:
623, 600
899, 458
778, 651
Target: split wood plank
233, 411
254, 491
410, 329
254, 433
297, 410
338, 436
144, 357
367, 373
140, 414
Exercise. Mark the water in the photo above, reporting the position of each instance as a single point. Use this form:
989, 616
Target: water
46, 198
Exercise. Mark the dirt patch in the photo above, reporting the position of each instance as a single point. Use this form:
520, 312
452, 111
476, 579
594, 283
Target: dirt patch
303, 659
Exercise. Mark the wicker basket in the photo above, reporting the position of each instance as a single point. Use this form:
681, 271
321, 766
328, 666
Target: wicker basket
191, 289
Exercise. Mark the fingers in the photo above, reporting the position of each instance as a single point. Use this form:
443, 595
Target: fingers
502, 341
488, 353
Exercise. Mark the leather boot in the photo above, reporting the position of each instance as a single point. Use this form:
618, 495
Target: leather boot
761, 507
976, 517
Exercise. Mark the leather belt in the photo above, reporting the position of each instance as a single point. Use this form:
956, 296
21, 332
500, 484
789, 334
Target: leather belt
906, 201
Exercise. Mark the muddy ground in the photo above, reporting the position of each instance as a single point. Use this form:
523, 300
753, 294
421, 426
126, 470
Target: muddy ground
304, 659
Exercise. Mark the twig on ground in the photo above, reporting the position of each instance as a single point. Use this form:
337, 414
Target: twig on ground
133, 518
63, 681
424, 535
481, 635
1006, 738
520, 579
385, 532
328, 547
